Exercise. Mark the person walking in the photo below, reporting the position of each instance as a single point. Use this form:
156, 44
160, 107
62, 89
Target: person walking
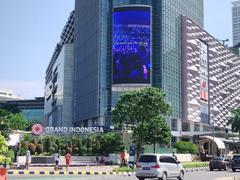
68, 160
56, 161
123, 158
28, 158
174, 156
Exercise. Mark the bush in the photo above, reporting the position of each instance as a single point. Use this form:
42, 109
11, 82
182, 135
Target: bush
69, 150
22, 151
39, 148
52, 150
4, 159
186, 147
84, 150
76, 150
24, 144
10, 154
32, 148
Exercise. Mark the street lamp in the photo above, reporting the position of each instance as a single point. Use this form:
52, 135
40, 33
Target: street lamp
214, 110
223, 41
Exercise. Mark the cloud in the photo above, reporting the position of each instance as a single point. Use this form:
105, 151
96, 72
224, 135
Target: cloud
25, 89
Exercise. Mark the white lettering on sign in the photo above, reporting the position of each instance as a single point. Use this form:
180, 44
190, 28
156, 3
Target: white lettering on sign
65, 130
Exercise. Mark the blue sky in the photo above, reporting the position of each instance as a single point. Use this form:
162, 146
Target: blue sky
30, 29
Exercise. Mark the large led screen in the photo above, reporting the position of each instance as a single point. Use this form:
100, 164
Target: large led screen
131, 49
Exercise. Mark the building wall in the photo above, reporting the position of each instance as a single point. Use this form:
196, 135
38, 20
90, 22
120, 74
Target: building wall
236, 22
8, 95
223, 86
171, 47
32, 109
86, 60
58, 92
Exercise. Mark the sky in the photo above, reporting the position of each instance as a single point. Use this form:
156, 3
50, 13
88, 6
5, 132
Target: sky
30, 30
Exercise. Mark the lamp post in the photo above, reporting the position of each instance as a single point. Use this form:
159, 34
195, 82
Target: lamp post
214, 110
223, 41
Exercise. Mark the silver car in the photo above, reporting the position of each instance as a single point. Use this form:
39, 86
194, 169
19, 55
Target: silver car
161, 166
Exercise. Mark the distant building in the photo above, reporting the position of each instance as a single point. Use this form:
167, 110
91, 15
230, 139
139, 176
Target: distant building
8, 95
32, 109
59, 80
236, 22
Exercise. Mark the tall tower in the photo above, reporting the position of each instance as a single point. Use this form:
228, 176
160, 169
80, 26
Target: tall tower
236, 22
99, 33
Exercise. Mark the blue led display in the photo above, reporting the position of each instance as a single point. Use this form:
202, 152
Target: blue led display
131, 48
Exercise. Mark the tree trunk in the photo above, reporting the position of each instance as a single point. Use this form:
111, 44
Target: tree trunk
139, 148
154, 147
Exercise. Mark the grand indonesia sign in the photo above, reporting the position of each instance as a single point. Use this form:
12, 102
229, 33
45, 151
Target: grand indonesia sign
38, 129
67, 130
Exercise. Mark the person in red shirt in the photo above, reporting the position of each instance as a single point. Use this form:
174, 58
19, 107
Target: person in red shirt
68, 160
123, 158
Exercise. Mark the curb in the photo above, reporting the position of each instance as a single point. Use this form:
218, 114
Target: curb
196, 169
75, 173
54, 173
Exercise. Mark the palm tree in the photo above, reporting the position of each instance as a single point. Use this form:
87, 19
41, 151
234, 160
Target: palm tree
235, 121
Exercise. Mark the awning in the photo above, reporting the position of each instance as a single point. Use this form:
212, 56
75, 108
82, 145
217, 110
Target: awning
218, 141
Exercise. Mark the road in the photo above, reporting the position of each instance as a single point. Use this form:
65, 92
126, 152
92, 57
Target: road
202, 175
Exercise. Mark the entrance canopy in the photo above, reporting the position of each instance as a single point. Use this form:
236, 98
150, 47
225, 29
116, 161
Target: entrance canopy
220, 144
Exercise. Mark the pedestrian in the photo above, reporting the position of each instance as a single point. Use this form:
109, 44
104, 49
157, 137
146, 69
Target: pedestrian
102, 161
97, 159
68, 160
28, 158
123, 158
174, 156
56, 161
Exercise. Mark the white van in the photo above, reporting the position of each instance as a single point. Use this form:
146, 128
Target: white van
161, 166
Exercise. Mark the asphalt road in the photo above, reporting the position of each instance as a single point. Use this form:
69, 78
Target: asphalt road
202, 175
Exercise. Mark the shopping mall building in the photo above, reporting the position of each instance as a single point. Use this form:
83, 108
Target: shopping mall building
109, 47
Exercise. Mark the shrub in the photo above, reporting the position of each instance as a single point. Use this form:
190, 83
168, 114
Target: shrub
39, 148
84, 150
4, 159
32, 148
69, 150
10, 154
52, 150
186, 147
76, 150
22, 151
24, 144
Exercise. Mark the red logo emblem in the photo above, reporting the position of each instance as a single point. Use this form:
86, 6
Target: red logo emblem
37, 129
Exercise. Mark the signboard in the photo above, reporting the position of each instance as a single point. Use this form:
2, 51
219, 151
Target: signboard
131, 49
38, 129
203, 71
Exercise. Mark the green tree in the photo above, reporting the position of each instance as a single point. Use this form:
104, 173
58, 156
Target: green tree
235, 121
158, 131
4, 123
137, 110
10, 121
17, 121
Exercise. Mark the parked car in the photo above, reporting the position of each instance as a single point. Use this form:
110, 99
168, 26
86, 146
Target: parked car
158, 166
236, 162
219, 163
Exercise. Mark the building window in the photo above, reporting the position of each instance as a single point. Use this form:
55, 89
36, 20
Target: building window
174, 124
185, 127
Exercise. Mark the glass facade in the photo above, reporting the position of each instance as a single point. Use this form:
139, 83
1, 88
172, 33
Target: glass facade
33, 114
93, 93
171, 46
